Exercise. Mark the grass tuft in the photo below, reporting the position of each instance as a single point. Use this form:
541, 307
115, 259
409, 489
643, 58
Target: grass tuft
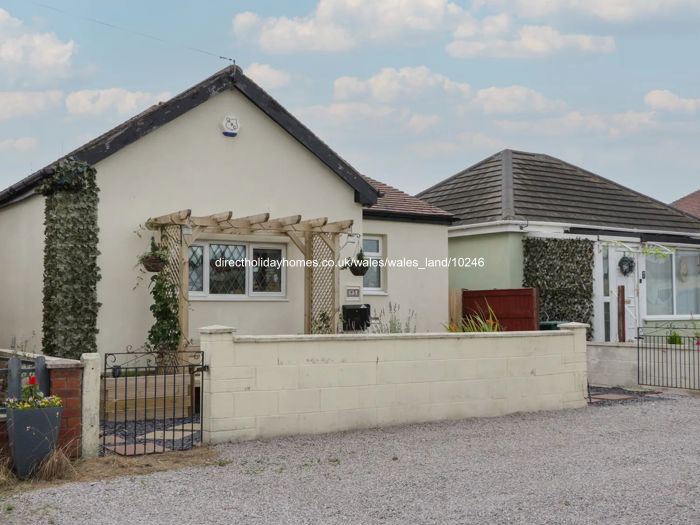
7, 477
57, 465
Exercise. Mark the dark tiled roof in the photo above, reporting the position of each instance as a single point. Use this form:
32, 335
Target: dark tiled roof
231, 77
397, 205
689, 204
536, 187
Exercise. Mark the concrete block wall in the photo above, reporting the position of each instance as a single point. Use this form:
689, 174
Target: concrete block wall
264, 386
612, 364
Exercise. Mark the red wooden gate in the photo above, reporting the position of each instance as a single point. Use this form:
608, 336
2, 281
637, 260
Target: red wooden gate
516, 309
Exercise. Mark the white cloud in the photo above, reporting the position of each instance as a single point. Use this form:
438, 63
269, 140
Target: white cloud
462, 142
346, 112
419, 123
489, 27
390, 84
608, 10
515, 99
339, 25
23, 51
664, 100
267, 76
15, 104
96, 102
287, 35
575, 122
531, 41
20, 144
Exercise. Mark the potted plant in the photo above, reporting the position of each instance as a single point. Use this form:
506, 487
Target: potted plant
155, 259
674, 338
33, 422
359, 265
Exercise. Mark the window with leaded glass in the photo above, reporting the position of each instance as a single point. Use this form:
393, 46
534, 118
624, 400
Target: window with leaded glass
227, 271
218, 270
196, 258
267, 270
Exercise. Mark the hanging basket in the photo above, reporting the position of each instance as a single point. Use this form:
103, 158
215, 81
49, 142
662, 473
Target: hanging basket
153, 263
358, 269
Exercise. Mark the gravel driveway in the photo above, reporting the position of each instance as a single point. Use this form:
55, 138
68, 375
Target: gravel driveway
634, 462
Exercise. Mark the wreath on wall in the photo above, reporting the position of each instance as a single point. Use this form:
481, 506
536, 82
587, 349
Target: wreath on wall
626, 265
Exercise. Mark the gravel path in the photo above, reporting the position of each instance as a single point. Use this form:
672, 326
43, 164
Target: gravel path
628, 463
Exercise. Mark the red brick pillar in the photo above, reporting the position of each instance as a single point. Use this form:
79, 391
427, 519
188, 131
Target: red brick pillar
67, 383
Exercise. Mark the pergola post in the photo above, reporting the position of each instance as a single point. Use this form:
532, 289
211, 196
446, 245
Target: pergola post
308, 283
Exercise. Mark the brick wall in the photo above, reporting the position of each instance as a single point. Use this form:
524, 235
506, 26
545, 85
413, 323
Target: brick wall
66, 383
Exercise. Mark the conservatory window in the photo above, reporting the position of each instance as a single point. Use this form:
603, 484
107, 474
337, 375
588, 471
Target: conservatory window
673, 283
687, 282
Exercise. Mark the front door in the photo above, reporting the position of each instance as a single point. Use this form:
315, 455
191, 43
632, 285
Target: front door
630, 299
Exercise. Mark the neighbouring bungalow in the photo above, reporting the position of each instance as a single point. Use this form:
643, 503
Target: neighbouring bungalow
689, 204
637, 254
256, 182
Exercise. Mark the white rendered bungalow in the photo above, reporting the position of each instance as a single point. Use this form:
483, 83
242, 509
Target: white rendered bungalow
229, 153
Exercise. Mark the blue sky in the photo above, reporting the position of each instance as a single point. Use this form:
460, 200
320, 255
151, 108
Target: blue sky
408, 91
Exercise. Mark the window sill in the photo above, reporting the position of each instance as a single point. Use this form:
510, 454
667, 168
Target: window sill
242, 299
375, 293
671, 318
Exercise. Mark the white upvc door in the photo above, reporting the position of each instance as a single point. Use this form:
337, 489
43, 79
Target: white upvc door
631, 292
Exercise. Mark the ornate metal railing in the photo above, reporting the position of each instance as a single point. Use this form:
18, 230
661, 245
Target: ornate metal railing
151, 402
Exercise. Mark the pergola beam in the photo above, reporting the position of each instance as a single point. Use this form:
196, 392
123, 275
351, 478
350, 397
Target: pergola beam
279, 223
211, 220
180, 218
260, 223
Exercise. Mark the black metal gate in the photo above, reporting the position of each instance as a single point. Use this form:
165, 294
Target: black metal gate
151, 402
668, 355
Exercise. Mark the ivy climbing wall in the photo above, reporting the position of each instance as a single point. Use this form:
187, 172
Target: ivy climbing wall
71, 272
562, 271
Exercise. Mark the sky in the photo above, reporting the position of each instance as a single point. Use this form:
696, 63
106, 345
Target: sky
408, 91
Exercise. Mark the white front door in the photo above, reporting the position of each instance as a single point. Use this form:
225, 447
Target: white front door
631, 293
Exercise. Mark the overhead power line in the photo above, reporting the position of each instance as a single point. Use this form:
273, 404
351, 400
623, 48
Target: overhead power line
129, 31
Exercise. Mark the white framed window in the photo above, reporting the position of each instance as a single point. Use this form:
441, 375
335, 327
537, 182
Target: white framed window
222, 270
373, 248
673, 284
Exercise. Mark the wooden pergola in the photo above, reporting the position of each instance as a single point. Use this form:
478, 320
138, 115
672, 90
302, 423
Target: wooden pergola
315, 238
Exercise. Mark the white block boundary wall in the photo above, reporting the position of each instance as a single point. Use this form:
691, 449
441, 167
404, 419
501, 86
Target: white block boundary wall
613, 364
264, 386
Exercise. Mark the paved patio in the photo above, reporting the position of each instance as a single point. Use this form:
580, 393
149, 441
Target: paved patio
629, 462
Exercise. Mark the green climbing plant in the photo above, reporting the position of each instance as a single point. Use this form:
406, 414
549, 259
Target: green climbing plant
71, 272
164, 335
562, 271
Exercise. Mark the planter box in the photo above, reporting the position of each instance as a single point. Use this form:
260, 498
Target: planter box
147, 397
32, 435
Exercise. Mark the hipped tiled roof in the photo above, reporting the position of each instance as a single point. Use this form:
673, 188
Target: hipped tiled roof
516, 185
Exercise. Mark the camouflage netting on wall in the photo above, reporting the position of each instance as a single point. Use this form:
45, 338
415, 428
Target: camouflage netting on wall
70, 260
562, 271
